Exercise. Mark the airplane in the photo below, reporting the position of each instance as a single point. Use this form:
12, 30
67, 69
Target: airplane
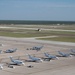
1, 66
49, 57
34, 59
10, 50
0, 51
37, 48
72, 50
16, 62
64, 54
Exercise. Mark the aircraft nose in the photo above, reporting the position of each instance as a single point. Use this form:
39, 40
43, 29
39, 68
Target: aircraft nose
70, 55
57, 58
1, 67
41, 60
23, 63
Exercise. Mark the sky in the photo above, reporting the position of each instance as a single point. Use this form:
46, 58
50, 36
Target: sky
50, 10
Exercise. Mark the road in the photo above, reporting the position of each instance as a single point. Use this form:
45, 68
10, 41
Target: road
38, 41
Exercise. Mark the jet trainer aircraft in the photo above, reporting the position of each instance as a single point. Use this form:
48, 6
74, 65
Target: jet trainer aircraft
34, 59
16, 62
49, 57
64, 54
11, 50
0, 51
72, 50
1, 66
37, 48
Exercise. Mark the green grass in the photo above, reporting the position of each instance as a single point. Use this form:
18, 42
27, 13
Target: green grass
63, 39
27, 34
64, 35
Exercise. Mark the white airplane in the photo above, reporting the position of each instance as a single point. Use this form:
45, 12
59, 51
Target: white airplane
34, 59
0, 51
1, 66
64, 54
50, 56
37, 48
16, 62
10, 50
72, 50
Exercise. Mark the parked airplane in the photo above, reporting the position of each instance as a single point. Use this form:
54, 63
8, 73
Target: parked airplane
49, 57
1, 66
37, 48
16, 62
64, 54
72, 50
0, 51
11, 50
34, 59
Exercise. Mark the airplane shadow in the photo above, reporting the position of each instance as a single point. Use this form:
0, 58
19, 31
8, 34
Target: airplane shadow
59, 56
72, 54
30, 61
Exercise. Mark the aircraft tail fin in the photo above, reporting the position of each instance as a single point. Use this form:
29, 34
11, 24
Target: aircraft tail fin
60, 52
15, 49
29, 56
46, 54
11, 58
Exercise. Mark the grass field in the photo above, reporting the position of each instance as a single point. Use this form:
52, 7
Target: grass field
19, 32
32, 33
63, 39
22, 33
